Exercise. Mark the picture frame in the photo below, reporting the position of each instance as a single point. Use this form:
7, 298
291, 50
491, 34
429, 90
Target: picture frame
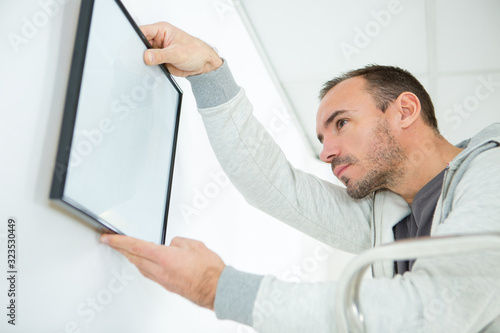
116, 153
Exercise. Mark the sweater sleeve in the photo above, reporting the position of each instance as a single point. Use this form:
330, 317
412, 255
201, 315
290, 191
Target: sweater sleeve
235, 295
259, 170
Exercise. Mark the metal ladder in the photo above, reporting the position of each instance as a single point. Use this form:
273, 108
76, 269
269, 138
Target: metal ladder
349, 314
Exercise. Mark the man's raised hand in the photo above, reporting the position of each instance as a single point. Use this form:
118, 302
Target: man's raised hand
183, 54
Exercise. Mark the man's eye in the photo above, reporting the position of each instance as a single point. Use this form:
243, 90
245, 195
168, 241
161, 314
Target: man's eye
341, 123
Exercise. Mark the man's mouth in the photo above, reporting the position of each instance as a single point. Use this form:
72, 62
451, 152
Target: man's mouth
338, 171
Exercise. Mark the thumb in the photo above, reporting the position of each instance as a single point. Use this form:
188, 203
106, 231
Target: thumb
153, 56
165, 56
160, 56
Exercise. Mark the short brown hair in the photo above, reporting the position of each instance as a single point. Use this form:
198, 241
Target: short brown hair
385, 84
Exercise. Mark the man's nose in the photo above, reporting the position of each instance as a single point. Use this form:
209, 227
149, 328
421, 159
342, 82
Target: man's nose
330, 150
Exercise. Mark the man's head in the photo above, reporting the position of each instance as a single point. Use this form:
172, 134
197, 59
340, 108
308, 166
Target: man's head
364, 123
385, 84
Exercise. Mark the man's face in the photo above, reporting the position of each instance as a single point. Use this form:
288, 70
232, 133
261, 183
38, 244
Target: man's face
358, 140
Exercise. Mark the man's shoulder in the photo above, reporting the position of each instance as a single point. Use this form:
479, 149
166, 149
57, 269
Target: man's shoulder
486, 159
480, 171
478, 145
490, 133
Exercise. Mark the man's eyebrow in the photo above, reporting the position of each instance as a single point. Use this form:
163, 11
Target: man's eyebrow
333, 116
330, 120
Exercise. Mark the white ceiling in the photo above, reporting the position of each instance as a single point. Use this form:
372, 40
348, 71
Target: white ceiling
448, 44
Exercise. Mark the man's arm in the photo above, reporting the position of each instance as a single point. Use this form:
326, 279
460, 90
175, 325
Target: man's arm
257, 167
248, 154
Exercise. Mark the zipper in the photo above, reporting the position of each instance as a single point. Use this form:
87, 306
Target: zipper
374, 232
442, 192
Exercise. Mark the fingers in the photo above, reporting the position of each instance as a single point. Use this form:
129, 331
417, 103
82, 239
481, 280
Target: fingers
139, 248
183, 54
156, 33
144, 255
150, 30
132, 245
176, 71
149, 269
186, 267
186, 243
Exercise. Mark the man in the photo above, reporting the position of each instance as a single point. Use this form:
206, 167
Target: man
403, 179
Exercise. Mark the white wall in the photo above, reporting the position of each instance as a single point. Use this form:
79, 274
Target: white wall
451, 46
67, 281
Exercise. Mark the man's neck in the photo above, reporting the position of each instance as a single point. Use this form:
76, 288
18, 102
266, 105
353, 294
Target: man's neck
426, 159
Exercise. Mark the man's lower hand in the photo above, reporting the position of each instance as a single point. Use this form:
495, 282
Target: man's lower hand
186, 267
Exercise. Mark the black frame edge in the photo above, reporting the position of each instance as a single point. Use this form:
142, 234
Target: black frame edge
69, 119
71, 101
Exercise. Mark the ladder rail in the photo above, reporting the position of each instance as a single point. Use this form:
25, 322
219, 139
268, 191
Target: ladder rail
349, 314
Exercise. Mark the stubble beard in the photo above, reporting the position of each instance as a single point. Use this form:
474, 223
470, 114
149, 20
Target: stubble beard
384, 163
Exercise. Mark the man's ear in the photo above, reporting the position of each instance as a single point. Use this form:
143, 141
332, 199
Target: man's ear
409, 108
